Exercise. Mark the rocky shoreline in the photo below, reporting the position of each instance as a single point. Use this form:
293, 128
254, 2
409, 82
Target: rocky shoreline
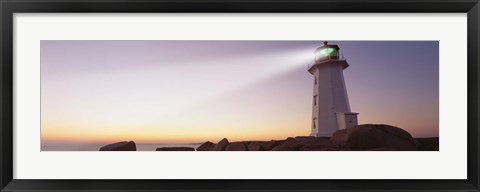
367, 137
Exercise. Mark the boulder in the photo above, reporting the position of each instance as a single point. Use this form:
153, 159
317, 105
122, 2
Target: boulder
236, 146
277, 142
300, 139
220, 146
288, 147
261, 145
374, 136
306, 143
254, 146
175, 149
320, 146
305, 138
120, 146
205, 146
428, 144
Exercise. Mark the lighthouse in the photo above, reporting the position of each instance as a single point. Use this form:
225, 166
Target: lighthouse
330, 108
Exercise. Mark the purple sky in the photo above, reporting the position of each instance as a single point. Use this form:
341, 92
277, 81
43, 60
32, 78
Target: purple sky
188, 91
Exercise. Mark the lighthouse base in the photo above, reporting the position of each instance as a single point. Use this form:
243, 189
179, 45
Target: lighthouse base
342, 120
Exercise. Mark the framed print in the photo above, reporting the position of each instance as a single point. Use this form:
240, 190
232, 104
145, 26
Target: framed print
239, 95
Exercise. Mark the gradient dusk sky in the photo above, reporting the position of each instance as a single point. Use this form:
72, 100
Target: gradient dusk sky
194, 91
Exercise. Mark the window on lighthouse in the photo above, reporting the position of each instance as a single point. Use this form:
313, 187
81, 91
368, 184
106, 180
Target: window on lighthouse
315, 100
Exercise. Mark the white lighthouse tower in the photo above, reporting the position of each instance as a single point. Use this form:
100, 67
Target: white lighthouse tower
331, 109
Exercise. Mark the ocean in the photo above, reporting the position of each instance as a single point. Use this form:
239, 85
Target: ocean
96, 147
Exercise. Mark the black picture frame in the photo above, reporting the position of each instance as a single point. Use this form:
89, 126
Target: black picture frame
9, 7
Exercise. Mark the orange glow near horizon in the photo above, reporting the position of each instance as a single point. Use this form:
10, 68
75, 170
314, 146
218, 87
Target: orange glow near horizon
50, 134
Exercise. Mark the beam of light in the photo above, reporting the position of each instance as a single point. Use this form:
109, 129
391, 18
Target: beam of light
285, 61
149, 99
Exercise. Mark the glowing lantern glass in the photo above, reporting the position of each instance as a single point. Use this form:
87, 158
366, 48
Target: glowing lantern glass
328, 52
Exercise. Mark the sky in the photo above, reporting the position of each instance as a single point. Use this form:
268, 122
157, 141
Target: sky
197, 91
